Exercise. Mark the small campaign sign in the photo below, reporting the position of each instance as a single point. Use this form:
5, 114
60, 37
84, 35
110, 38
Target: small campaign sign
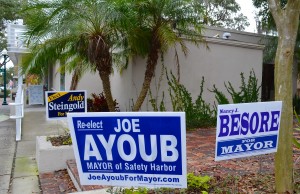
130, 149
247, 129
59, 103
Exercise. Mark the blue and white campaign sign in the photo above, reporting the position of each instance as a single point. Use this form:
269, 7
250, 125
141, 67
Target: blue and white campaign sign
247, 129
59, 103
130, 148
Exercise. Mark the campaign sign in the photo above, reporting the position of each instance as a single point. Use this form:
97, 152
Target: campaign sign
130, 149
59, 103
247, 129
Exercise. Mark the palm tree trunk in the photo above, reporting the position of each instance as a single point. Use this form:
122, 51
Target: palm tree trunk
75, 79
107, 90
99, 54
150, 69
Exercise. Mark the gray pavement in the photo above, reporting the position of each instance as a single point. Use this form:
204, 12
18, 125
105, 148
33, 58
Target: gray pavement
18, 167
7, 148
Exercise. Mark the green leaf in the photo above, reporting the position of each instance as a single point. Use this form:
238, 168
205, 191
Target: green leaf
296, 143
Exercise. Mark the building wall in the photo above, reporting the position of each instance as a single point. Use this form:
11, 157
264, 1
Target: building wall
90, 82
55, 78
121, 85
241, 36
222, 62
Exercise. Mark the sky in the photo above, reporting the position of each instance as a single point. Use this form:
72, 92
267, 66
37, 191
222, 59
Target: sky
248, 10
8, 64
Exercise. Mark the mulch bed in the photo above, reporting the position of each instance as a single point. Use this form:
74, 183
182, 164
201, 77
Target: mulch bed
244, 175
59, 140
57, 182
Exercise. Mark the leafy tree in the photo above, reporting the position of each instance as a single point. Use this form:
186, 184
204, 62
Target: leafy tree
87, 29
158, 25
286, 17
275, 20
8, 12
224, 14
9, 75
264, 17
267, 26
43, 56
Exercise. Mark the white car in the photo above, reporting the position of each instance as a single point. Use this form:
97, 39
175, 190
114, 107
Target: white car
2, 89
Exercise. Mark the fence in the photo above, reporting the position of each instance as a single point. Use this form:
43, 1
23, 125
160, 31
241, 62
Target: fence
18, 106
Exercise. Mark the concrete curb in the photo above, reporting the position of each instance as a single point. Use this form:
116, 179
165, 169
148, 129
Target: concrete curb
51, 158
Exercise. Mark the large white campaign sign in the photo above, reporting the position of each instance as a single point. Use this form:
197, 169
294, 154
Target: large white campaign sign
130, 148
247, 129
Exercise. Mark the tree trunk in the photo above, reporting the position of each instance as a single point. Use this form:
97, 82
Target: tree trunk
99, 54
287, 21
283, 92
107, 90
75, 79
149, 73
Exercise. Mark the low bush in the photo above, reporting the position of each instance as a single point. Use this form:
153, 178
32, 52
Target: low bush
248, 91
195, 184
198, 113
198, 184
98, 103
296, 103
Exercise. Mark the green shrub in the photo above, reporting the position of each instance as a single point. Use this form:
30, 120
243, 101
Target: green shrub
297, 128
161, 107
220, 96
296, 104
136, 191
198, 113
198, 184
98, 103
195, 184
249, 92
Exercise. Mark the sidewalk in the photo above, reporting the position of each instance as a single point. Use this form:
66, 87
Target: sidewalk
7, 147
18, 167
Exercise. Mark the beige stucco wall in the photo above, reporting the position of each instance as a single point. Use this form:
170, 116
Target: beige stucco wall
222, 62
55, 78
90, 82
121, 86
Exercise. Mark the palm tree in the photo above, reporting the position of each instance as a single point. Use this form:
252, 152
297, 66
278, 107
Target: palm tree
46, 54
158, 25
81, 28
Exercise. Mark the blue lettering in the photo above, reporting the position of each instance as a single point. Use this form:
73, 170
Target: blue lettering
264, 121
224, 129
244, 123
235, 130
274, 120
254, 116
